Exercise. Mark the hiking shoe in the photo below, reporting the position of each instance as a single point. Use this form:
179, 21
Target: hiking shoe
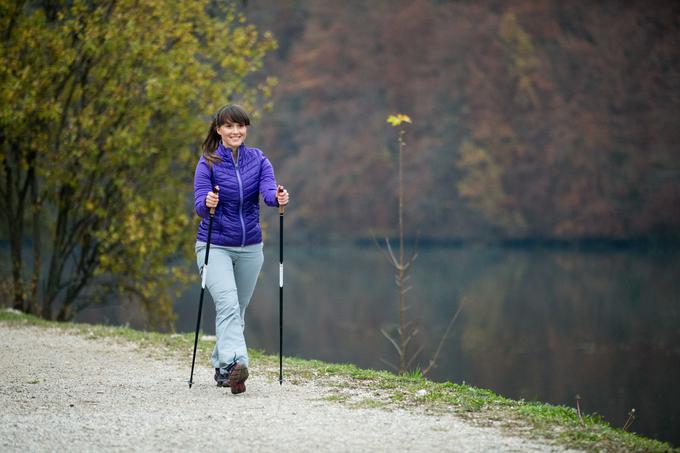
238, 388
222, 379
238, 373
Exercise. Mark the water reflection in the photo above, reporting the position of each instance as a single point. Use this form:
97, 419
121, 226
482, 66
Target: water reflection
544, 325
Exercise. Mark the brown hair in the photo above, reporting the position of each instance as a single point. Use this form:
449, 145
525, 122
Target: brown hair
230, 113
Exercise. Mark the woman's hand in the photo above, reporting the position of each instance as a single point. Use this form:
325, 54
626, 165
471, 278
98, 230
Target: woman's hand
212, 199
282, 196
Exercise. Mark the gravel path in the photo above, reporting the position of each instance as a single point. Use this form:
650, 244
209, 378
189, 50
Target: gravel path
64, 392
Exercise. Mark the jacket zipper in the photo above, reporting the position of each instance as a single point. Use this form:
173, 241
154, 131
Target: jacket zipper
240, 201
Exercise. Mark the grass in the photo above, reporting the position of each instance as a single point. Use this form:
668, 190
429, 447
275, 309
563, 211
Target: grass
384, 390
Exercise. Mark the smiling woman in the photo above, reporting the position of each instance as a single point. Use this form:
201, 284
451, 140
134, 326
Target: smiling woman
239, 174
233, 134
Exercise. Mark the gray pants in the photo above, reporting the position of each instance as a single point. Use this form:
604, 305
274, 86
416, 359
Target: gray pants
231, 280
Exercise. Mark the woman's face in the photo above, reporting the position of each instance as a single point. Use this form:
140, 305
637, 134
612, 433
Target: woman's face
233, 134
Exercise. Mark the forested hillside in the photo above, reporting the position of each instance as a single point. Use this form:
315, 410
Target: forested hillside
532, 118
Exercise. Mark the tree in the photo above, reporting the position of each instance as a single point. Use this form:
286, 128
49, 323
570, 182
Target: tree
100, 115
482, 186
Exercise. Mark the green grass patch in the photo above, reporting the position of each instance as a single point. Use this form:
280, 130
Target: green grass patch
368, 403
337, 398
558, 424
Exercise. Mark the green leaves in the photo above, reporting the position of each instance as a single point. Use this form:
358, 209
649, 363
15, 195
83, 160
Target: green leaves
112, 97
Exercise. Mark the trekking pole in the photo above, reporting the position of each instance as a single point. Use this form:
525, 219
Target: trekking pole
204, 277
281, 211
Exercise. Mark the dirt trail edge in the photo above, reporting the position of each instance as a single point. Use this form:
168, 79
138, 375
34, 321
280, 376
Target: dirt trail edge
65, 392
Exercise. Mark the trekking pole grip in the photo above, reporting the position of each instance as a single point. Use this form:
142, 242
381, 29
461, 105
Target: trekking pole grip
216, 189
282, 207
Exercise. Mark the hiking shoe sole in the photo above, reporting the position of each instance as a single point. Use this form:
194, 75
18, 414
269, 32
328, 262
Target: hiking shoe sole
238, 388
237, 378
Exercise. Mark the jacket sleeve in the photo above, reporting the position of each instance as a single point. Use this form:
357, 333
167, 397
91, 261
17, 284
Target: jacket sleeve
202, 185
267, 182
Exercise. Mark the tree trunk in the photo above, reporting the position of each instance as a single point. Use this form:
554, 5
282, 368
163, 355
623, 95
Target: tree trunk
13, 203
15, 246
59, 255
37, 244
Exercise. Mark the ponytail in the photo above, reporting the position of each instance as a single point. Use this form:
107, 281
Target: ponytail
210, 144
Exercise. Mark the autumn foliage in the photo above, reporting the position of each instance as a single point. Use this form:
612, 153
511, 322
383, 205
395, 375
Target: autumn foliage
532, 119
102, 106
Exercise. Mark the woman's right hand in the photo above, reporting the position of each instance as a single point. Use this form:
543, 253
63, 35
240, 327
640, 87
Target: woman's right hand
212, 199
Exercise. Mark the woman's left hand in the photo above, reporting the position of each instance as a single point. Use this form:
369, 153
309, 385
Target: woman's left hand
282, 196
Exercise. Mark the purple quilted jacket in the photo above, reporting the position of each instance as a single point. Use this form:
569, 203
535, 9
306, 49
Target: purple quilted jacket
237, 216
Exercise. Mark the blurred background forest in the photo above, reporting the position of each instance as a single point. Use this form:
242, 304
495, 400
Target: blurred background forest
532, 119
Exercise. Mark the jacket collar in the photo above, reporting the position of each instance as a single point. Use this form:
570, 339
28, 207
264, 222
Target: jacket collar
225, 151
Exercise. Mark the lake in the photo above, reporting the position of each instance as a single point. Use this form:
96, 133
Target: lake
537, 324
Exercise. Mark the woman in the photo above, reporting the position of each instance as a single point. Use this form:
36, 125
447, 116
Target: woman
229, 177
